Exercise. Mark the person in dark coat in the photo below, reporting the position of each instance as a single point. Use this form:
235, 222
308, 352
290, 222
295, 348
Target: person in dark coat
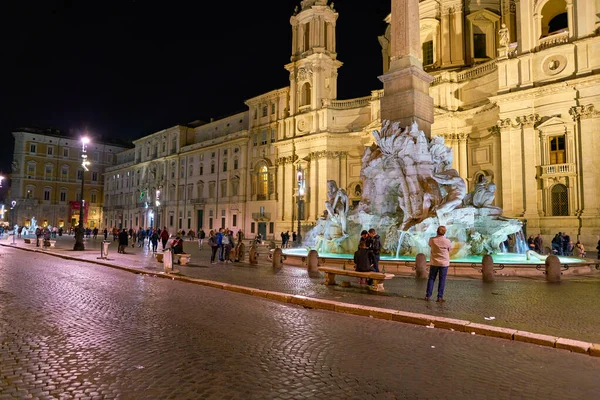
177, 245
123, 240
363, 260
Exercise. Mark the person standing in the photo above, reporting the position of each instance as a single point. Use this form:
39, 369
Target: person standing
213, 242
439, 263
228, 244
539, 243
123, 241
374, 245
154, 240
220, 242
164, 237
105, 234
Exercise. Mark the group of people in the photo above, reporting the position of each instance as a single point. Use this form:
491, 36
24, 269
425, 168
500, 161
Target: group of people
222, 242
366, 258
285, 239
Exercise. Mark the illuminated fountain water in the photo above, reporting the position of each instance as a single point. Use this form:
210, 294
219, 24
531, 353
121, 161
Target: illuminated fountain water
409, 189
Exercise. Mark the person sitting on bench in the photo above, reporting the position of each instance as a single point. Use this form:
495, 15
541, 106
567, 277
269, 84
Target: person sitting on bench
177, 245
362, 259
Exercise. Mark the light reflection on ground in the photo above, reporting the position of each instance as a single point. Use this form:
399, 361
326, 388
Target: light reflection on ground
500, 258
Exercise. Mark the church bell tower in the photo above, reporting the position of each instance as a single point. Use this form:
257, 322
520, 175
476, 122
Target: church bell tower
313, 67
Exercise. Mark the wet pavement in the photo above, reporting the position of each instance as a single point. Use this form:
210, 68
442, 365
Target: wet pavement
567, 309
74, 330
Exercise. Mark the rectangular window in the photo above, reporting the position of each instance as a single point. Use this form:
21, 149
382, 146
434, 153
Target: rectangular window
170, 220
63, 196
94, 176
271, 227
222, 222
234, 221
272, 135
263, 137
428, 52
93, 198
179, 226
479, 50
46, 194
225, 166
32, 148
223, 213
223, 188
264, 111
252, 227
66, 153
210, 223
212, 168
201, 169
79, 174
255, 139
50, 151
189, 224
235, 164
557, 150
272, 108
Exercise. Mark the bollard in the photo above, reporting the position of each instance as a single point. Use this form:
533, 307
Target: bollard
552, 269
168, 260
239, 254
421, 266
253, 255
277, 258
487, 268
313, 260
104, 250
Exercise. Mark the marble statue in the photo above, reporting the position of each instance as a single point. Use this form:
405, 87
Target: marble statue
338, 205
456, 189
504, 36
33, 224
409, 189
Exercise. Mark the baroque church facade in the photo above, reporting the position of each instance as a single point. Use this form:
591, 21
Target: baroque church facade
515, 87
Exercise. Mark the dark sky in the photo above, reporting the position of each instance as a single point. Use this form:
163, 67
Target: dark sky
126, 69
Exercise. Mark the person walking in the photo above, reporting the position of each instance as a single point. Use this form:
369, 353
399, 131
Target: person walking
201, 237
164, 237
154, 240
439, 263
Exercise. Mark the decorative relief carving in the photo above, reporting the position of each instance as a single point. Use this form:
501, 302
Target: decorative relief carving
583, 112
527, 121
286, 160
326, 154
305, 73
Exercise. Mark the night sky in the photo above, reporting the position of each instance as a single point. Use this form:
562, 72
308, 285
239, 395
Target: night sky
126, 69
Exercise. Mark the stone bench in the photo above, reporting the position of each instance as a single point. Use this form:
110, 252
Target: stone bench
377, 277
182, 258
49, 243
27, 241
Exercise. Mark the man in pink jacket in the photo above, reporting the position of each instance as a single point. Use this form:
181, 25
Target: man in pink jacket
439, 261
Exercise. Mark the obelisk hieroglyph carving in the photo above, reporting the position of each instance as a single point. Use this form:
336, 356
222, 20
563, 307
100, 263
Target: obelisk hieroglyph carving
406, 85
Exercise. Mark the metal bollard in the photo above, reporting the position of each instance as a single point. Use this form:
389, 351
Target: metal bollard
313, 260
421, 266
277, 257
487, 268
552, 269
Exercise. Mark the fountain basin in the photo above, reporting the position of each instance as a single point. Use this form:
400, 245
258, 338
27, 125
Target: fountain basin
505, 264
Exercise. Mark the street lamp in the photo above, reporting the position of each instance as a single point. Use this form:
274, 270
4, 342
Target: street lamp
300, 195
84, 165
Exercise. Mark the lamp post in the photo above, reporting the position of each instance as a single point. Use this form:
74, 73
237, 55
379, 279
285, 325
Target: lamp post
300, 195
13, 205
84, 167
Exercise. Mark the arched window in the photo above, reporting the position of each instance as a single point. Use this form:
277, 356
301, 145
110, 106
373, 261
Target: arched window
263, 182
305, 95
560, 200
554, 17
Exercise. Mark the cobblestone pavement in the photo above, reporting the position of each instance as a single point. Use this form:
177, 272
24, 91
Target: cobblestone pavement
77, 330
566, 309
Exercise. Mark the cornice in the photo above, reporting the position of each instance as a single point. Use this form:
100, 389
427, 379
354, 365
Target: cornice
545, 90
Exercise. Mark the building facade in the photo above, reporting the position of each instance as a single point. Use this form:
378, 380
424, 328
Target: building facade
47, 178
515, 90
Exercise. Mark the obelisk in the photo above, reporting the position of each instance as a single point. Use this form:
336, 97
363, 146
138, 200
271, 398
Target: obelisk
406, 85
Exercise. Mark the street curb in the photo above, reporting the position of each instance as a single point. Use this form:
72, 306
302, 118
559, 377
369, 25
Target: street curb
457, 325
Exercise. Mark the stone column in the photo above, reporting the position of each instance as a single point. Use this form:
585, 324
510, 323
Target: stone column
506, 168
529, 171
457, 34
406, 85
